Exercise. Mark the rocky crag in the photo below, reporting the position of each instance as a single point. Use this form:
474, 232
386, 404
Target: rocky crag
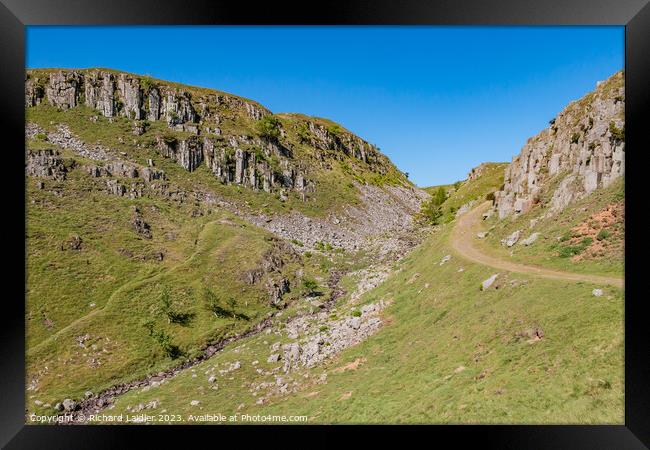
582, 150
216, 129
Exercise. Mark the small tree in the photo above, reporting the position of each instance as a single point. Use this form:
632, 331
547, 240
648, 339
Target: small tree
165, 342
166, 305
440, 196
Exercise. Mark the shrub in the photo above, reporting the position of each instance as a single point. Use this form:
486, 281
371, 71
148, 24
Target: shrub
572, 250
169, 139
618, 134
41, 137
165, 342
268, 127
356, 313
603, 234
323, 246
147, 84
168, 310
575, 137
335, 130
309, 285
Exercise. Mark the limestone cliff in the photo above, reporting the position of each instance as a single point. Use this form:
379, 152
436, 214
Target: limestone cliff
583, 149
211, 128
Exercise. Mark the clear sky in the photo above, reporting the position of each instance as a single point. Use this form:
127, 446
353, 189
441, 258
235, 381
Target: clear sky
436, 100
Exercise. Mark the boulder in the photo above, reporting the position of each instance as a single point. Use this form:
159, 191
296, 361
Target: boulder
487, 283
530, 239
69, 405
512, 239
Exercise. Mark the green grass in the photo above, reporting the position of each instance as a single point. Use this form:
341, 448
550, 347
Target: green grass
553, 248
490, 180
410, 371
113, 284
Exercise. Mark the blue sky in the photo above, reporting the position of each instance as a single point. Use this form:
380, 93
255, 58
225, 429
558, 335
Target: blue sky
436, 100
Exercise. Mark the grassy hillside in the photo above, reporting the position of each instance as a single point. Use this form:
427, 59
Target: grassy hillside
332, 171
489, 181
442, 208
88, 308
448, 353
588, 236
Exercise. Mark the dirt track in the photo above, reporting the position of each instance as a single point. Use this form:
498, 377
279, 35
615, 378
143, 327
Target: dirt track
462, 240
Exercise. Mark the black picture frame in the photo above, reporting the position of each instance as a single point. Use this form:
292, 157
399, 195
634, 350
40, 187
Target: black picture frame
633, 14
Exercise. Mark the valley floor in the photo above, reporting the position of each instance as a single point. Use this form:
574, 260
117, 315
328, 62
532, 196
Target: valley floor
535, 347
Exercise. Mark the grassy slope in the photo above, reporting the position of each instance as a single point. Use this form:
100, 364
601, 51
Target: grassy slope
489, 181
210, 251
410, 369
545, 251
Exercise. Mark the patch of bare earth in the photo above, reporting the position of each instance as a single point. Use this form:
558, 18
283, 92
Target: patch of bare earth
605, 228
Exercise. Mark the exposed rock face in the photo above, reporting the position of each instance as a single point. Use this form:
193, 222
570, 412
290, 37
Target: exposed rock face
250, 160
63, 89
584, 148
321, 342
130, 96
476, 172
177, 108
141, 227
100, 92
46, 164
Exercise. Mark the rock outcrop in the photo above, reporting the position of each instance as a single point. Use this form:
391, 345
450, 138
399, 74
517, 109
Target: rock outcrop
583, 149
46, 164
247, 159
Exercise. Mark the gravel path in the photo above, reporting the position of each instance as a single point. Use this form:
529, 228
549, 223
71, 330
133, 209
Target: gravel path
462, 241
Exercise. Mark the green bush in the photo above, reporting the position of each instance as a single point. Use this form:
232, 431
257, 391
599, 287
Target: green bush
147, 84
356, 313
572, 250
309, 285
323, 246
431, 210
335, 130
618, 134
268, 127
603, 234
165, 342
575, 137
170, 312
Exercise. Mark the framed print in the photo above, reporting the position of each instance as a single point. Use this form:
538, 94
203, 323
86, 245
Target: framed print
415, 214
